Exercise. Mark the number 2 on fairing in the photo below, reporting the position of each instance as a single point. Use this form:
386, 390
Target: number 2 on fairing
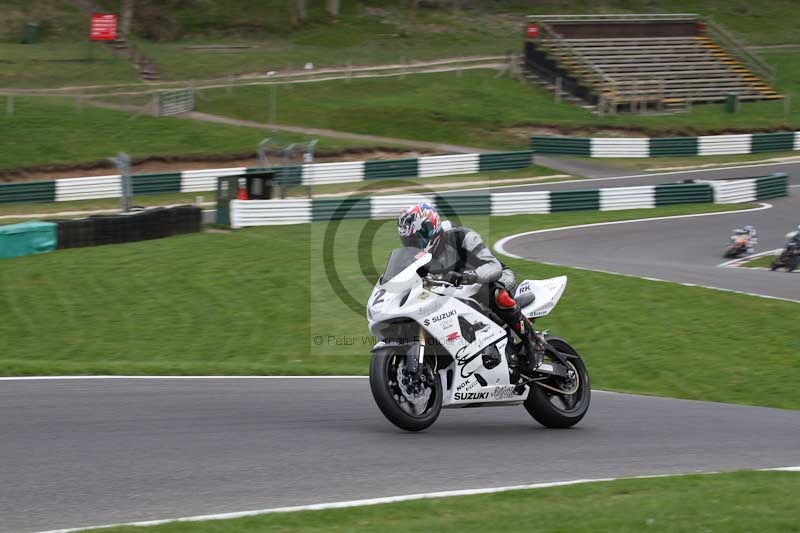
379, 297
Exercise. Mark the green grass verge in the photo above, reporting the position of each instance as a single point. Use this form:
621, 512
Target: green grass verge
731, 502
50, 131
252, 301
144, 200
62, 64
646, 163
761, 262
477, 109
765, 262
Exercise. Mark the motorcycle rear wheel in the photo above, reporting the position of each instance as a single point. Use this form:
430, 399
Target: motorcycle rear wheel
553, 410
388, 393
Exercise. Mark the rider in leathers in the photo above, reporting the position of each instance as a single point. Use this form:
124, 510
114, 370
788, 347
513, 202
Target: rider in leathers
461, 257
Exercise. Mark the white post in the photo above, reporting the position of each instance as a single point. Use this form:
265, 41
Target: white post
273, 108
558, 90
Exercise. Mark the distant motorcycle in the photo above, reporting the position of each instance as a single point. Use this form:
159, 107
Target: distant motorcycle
790, 256
737, 247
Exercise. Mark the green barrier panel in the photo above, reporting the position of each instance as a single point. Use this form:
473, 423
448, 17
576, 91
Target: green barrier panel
673, 146
505, 161
773, 186
574, 200
27, 238
773, 142
580, 146
463, 204
683, 194
33, 191
156, 183
340, 208
392, 168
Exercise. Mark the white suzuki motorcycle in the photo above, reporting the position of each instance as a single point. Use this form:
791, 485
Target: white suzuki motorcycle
440, 348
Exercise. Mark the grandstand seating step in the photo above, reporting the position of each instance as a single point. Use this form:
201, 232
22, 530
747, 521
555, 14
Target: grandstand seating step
661, 70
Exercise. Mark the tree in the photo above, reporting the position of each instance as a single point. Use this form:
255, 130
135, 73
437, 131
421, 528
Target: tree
412, 7
125, 19
332, 8
297, 12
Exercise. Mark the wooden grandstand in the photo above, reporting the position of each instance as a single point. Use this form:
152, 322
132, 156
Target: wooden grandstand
639, 62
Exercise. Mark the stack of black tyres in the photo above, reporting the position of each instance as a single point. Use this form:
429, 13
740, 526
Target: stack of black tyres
148, 224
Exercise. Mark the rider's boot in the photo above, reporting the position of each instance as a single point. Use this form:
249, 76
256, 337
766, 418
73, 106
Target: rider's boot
531, 352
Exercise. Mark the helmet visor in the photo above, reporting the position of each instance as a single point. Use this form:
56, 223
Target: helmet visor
414, 241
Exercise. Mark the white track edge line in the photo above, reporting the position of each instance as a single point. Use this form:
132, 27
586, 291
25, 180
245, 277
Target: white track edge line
384, 500
499, 246
735, 262
685, 284
65, 378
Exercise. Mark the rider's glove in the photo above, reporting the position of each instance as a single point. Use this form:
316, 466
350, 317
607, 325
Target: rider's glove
462, 278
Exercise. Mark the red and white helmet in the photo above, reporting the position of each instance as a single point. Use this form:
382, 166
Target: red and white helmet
419, 226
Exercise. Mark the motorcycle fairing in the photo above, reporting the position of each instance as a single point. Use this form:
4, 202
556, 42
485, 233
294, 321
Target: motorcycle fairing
547, 292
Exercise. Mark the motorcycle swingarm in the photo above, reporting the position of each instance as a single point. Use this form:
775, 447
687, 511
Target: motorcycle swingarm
552, 369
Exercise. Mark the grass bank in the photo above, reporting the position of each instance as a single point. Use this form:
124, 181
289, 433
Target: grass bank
732, 502
51, 131
477, 108
253, 302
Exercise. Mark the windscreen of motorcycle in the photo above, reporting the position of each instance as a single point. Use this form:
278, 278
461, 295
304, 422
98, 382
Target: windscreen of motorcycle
401, 259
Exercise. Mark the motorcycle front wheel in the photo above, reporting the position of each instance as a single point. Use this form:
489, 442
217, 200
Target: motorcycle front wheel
408, 401
553, 409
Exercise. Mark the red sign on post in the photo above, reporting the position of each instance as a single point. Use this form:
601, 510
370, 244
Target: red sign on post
533, 31
103, 28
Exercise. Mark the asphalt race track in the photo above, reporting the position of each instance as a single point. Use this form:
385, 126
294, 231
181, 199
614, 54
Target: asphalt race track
92, 452
686, 250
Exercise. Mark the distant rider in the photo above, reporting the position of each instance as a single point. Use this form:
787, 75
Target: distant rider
751, 234
461, 257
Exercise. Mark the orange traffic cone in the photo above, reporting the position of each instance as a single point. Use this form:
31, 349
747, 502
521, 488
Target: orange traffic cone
241, 194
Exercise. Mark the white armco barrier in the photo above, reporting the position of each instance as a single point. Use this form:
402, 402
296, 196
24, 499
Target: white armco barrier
68, 189
323, 173
620, 147
206, 180
448, 165
643, 197
797, 140
515, 203
734, 191
269, 212
724, 144
391, 206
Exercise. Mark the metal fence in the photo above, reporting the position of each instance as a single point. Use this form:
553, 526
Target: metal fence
175, 102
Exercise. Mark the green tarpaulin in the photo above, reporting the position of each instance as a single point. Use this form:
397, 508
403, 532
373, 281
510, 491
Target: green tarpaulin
27, 238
